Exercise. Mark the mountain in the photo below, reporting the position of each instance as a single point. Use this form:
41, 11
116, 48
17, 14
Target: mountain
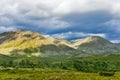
21, 41
117, 44
33, 43
96, 45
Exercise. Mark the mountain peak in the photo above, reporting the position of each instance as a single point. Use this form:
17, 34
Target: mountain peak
91, 41
21, 33
95, 38
24, 32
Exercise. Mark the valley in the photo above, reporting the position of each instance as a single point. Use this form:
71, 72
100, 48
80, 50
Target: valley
27, 55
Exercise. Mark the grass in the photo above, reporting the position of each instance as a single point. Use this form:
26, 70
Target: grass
52, 74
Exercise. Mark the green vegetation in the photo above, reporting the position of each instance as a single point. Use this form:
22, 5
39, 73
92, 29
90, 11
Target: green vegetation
52, 74
86, 64
31, 50
60, 67
98, 63
31, 56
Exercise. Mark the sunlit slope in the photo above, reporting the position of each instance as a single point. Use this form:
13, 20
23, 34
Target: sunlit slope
20, 40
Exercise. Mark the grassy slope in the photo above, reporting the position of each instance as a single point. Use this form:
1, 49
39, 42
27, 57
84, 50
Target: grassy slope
52, 74
112, 58
20, 40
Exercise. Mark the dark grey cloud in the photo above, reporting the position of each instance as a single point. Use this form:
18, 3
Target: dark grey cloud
56, 17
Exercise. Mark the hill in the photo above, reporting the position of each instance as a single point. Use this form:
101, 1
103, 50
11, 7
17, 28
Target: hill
35, 44
26, 42
96, 45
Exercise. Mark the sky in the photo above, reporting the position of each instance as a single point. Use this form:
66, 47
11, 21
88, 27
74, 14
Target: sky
67, 19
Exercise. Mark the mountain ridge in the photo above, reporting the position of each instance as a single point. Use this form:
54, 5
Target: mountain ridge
21, 41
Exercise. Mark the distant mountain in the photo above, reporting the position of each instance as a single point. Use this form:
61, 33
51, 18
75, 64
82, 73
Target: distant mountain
96, 45
117, 44
33, 43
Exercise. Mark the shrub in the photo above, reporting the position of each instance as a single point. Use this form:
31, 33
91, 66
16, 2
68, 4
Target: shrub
106, 73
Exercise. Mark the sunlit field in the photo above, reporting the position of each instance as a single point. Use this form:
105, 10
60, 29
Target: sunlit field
52, 74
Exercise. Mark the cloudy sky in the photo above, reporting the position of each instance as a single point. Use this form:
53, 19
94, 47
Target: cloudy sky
69, 19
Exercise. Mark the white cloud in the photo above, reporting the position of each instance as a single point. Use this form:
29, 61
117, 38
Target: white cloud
54, 24
47, 8
115, 41
52, 11
4, 29
68, 35
81, 6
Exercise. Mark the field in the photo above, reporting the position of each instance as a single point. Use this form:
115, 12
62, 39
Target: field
59, 67
52, 74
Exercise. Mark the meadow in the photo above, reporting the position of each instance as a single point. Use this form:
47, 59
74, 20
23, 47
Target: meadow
52, 74
60, 68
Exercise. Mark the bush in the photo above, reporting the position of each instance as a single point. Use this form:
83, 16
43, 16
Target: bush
106, 73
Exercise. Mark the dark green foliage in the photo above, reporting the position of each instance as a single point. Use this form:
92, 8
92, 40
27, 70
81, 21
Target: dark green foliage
97, 63
26, 63
31, 50
87, 64
84, 66
106, 73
